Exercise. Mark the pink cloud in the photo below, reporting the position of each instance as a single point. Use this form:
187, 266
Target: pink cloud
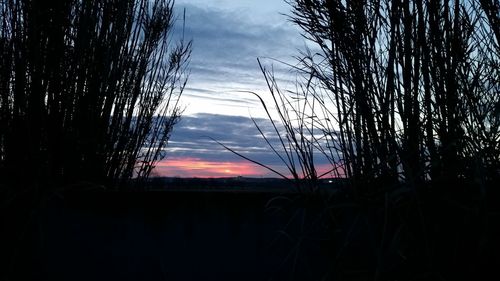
196, 167
201, 168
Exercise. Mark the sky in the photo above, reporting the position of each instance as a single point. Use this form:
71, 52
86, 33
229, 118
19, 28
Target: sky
228, 37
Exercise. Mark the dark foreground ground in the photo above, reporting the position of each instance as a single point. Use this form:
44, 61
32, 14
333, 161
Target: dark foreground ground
201, 235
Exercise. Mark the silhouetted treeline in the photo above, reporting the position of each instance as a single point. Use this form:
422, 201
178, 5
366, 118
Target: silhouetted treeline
80, 85
396, 91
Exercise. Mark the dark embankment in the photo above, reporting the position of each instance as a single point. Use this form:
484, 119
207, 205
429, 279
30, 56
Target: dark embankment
201, 235
191, 235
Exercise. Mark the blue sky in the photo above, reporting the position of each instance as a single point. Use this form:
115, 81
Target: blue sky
228, 37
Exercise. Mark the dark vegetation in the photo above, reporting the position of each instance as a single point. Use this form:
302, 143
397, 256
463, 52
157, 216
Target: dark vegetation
403, 99
394, 92
89, 90
236, 184
89, 94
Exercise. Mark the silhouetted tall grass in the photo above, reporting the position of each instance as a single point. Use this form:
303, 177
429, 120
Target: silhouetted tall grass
402, 92
89, 90
89, 94
403, 98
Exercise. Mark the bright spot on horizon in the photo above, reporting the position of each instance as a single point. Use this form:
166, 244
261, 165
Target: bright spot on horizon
189, 167
201, 168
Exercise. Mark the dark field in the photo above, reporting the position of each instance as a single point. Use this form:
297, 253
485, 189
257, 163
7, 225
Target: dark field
203, 235
190, 235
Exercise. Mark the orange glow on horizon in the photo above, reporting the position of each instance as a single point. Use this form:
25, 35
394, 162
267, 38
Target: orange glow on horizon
200, 168
195, 167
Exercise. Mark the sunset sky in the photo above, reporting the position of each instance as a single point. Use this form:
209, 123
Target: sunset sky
228, 37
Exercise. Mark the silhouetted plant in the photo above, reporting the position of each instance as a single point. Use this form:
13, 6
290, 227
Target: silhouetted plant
297, 144
406, 96
89, 90
403, 91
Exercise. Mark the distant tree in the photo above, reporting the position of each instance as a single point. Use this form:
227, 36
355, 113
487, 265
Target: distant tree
89, 90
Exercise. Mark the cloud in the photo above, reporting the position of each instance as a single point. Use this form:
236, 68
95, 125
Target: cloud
194, 135
196, 167
226, 45
228, 37
192, 150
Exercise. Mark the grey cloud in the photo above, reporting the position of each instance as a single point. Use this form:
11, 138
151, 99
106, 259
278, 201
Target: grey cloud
217, 97
225, 45
192, 138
